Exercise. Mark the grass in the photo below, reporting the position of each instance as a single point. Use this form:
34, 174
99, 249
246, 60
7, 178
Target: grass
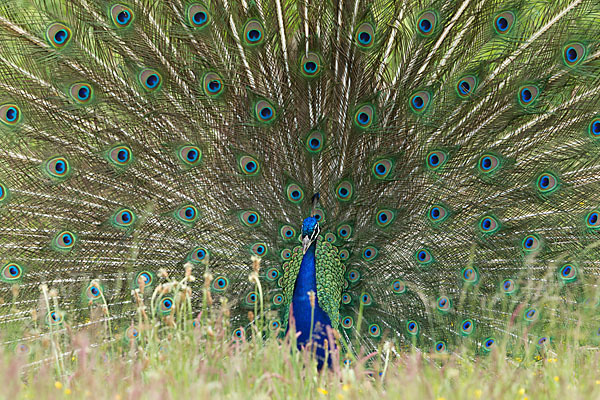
174, 355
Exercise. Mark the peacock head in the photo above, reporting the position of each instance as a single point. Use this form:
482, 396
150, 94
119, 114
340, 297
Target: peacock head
310, 232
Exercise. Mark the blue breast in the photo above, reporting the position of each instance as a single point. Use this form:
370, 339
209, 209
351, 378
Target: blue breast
305, 282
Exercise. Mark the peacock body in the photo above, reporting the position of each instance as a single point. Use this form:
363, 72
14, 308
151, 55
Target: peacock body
454, 147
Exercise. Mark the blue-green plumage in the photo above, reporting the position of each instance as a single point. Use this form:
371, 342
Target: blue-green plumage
455, 145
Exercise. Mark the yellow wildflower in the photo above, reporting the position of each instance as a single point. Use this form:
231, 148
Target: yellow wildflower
322, 391
478, 393
597, 381
58, 385
67, 391
345, 387
339, 396
556, 379
521, 391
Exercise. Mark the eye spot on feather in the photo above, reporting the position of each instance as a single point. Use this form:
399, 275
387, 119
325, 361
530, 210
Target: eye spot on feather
347, 322
488, 163
264, 112
58, 35
187, 214
132, 333
121, 15
287, 232
489, 225
508, 286
353, 276
346, 298
593, 220
57, 168
466, 86
567, 273
489, 344
82, 93
369, 253
198, 255
93, 291
344, 191
593, 129
150, 79
120, 155
250, 218
253, 33
64, 241
364, 116
412, 327
528, 94
437, 214
440, 346
424, 257
123, 218
470, 275
503, 22
144, 277
212, 84
249, 165
239, 334
382, 168
384, 218
467, 327
277, 299
530, 314
198, 16
251, 298
547, 183
420, 101
4, 193
344, 231
427, 23
573, 54
398, 286
259, 249
54, 318
443, 304
220, 284
310, 65
436, 159
543, 341
531, 243
10, 114
11, 273
365, 35
294, 193
344, 254
314, 142
374, 330
166, 305
366, 299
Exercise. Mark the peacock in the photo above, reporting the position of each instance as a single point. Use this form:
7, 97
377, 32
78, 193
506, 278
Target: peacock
405, 174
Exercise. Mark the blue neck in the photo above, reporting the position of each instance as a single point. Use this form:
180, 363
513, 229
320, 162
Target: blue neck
305, 282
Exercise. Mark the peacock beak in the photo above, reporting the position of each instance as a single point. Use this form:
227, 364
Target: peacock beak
306, 242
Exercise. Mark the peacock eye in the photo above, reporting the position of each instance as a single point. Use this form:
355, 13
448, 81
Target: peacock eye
10, 114
365, 35
503, 22
150, 79
253, 33
212, 84
58, 35
427, 23
121, 15
364, 116
198, 16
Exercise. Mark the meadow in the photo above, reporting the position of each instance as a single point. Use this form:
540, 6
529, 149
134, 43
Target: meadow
184, 354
